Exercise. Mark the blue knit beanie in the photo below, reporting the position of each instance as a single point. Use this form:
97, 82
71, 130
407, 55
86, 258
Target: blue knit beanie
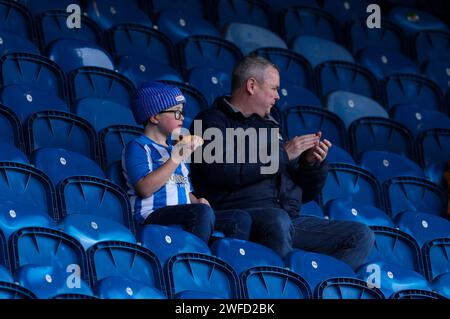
154, 97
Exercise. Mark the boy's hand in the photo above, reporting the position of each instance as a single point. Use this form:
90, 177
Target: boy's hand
185, 147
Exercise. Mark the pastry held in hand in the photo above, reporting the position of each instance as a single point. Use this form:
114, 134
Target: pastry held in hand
186, 145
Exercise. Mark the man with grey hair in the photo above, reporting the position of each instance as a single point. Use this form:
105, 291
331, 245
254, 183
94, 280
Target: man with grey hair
272, 198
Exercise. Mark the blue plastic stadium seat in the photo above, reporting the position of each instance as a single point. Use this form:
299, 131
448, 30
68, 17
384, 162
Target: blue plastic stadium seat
71, 54
351, 106
190, 7
317, 50
346, 288
177, 25
61, 130
128, 262
26, 198
307, 120
418, 120
211, 82
38, 7
59, 164
431, 45
423, 227
346, 10
337, 154
33, 70
14, 291
417, 294
10, 42
25, 100
255, 12
113, 139
10, 128
92, 82
311, 209
5, 275
383, 61
292, 95
435, 173
115, 287
108, 13
342, 209
353, 183
304, 20
411, 20
10, 153
359, 36
94, 196
274, 283
315, 268
201, 273
208, 51
141, 69
114, 173
392, 278
438, 71
15, 18
414, 194
280, 6
250, 37
382, 134
441, 284
411, 89
195, 101
344, 76
434, 146
395, 247
166, 241
435, 258
243, 255
385, 165
91, 229
293, 67
52, 25
75, 296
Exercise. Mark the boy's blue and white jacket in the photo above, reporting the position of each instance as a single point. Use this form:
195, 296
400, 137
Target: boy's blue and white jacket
141, 157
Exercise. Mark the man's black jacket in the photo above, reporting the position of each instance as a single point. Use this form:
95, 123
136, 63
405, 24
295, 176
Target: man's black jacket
241, 185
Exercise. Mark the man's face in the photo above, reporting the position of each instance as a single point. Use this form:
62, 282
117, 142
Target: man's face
267, 92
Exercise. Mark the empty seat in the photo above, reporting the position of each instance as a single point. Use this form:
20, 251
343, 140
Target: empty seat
71, 54
305, 20
346, 10
383, 61
343, 209
317, 50
438, 71
359, 36
211, 82
14, 291
26, 198
52, 25
190, 7
33, 70
92, 82
307, 120
353, 183
431, 45
381, 134
395, 248
5, 275
293, 67
114, 173
435, 173
255, 12
25, 100
90, 229
10, 153
127, 262
10, 43
434, 146
166, 241
279, 6
59, 164
346, 288
311, 209
412, 20
414, 194
61, 130
250, 37
38, 7
418, 120
392, 278
344, 76
385, 165
292, 95
435, 258
423, 227
351, 106
108, 13
337, 154
115, 287
416, 294
315, 268
94, 196
113, 139
178, 25
411, 89
208, 51
10, 128
441, 284
15, 18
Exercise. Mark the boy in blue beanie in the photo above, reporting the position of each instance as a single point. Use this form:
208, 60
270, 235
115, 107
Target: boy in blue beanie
157, 177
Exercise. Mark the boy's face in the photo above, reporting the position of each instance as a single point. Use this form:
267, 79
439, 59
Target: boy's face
170, 119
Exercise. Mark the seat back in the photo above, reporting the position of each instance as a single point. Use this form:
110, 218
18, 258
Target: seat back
255, 12
346, 288
10, 128
418, 120
211, 82
435, 258
431, 44
434, 146
15, 18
